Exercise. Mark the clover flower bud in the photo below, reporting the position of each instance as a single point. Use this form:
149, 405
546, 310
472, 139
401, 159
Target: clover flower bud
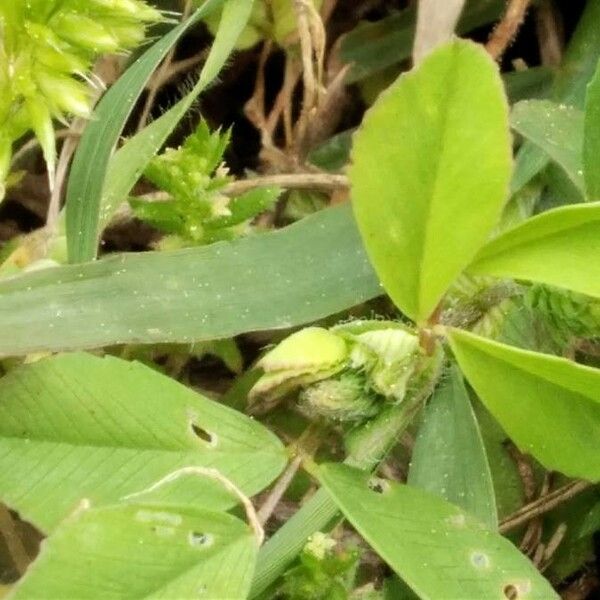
386, 350
306, 356
341, 371
343, 398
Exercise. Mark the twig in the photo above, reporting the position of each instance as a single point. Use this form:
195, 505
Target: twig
550, 34
319, 181
266, 510
305, 446
552, 546
312, 45
507, 29
582, 587
34, 143
543, 505
181, 66
254, 109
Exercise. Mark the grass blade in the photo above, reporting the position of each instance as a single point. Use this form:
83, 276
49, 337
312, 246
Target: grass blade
195, 294
86, 181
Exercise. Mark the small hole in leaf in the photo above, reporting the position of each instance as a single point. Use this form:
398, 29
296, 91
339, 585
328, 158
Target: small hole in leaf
204, 435
378, 485
199, 539
511, 592
480, 560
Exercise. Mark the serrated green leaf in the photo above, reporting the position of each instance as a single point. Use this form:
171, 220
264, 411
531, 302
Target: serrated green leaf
438, 550
591, 138
560, 247
449, 458
422, 209
88, 171
129, 162
557, 129
143, 551
191, 295
77, 426
549, 406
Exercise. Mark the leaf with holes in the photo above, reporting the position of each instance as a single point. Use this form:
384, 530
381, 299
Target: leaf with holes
422, 209
449, 458
560, 247
144, 551
437, 549
549, 406
77, 426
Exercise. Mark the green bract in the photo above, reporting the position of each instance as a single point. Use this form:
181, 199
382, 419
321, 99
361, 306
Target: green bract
197, 211
47, 48
367, 358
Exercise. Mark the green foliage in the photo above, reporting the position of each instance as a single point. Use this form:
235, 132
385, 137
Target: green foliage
142, 485
92, 185
175, 552
591, 138
443, 553
117, 445
191, 295
568, 315
435, 115
196, 211
449, 458
557, 129
324, 572
557, 247
559, 422
51, 46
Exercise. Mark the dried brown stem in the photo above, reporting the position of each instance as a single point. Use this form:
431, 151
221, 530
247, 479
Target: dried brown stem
506, 30
34, 143
550, 33
318, 181
543, 505
270, 504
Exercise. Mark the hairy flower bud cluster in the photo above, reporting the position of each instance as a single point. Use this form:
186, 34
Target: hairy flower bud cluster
343, 373
47, 48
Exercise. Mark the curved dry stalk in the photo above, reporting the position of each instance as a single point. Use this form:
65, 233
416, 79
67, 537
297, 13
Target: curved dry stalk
226, 483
